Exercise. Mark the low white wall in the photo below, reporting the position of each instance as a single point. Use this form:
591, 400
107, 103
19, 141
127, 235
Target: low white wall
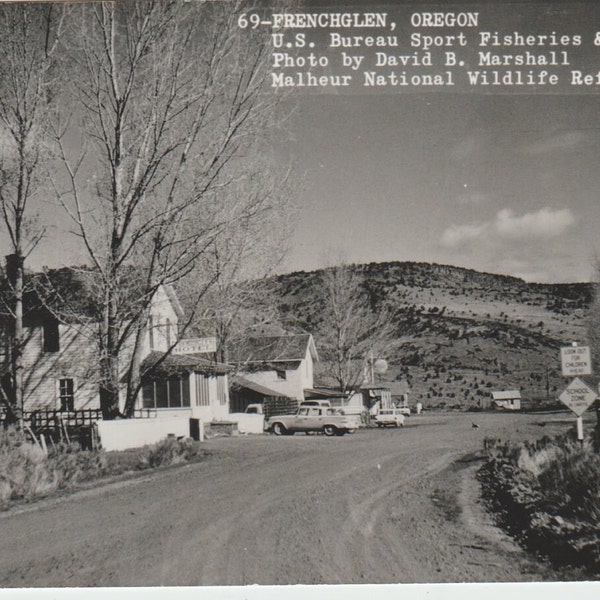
248, 423
133, 433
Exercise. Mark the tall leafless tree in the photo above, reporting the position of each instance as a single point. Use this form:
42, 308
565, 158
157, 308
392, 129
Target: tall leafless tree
240, 262
170, 108
30, 35
352, 331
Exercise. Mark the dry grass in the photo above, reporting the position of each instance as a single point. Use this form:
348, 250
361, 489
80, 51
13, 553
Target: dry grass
27, 473
547, 494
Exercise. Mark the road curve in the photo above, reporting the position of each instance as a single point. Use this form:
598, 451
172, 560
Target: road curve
379, 506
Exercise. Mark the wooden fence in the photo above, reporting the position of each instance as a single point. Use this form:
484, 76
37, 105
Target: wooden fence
68, 426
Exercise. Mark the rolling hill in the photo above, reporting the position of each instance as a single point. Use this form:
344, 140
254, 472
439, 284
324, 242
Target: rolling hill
459, 333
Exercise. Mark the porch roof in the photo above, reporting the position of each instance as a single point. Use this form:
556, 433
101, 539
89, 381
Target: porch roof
157, 364
241, 382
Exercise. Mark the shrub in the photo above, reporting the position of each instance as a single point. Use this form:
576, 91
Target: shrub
171, 452
72, 465
24, 472
547, 494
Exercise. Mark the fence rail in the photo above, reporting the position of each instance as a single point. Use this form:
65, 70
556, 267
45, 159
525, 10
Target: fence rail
49, 418
68, 426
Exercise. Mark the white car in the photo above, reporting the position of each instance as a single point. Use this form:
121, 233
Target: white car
312, 419
389, 416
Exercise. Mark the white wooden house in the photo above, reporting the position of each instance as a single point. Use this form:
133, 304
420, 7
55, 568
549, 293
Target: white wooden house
61, 365
282, 363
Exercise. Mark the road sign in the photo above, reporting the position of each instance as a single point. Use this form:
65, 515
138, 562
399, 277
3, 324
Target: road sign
578, 396
196, 346
576, 360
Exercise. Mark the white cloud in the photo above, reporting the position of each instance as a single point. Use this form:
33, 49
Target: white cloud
456, 235
506, 225
544, 223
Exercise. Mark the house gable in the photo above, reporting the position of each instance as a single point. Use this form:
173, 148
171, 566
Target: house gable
283, 363
61, 323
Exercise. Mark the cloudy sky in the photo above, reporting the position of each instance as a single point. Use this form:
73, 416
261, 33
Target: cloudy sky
503, 183
499, 183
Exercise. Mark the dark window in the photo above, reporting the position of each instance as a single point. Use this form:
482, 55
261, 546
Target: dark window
66, 394
148, 395
51, 336
161, 394
281, 374
173, 393
185, 391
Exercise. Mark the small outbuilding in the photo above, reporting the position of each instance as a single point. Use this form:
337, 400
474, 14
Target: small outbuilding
507, 400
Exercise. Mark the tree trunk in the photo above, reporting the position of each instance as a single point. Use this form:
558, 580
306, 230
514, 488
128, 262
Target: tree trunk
133, 381
109, 387
15, 271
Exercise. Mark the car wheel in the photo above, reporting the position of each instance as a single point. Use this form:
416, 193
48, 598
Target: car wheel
279, 429
329, 430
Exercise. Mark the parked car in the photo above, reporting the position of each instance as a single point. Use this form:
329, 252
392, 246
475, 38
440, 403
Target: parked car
405, 410
321, 403
389, 416
312, 419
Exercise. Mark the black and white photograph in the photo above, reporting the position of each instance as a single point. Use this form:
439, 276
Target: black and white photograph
299, 293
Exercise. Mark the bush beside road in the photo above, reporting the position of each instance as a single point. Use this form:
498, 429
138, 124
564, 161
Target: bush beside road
547, 495
27, 473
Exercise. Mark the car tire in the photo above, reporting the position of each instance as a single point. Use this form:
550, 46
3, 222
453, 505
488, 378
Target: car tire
279, 429
330, 430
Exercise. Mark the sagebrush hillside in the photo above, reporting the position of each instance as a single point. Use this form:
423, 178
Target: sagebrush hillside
460, 333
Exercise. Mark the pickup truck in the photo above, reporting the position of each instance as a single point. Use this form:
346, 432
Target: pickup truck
312, 418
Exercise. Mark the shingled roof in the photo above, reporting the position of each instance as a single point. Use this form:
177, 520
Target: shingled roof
71, 295
274, 349
175, 364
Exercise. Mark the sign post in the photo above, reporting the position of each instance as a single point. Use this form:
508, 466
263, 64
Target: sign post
578, 396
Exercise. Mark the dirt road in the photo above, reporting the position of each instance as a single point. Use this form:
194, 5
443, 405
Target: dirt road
379, 506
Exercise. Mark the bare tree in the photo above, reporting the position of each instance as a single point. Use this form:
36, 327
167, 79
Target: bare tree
30, 35
170, 109
352, 329
240, 263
